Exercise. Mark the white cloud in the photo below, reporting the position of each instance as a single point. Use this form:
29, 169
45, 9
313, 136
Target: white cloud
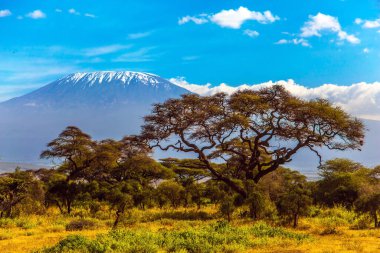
5, 13
36, 14
89, 15
371, 23
73, 11
251, 33
326, 23
361, 99
358, 21
96, 51
282, 41
197, 20
235, 18
366, 50
295, 41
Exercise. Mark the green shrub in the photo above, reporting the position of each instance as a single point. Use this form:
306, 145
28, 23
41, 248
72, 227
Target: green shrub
81, 224
75, 243
181, 215
362, 222
215, 237
5, 235
261, 229
339, 214
7, 223
27, 223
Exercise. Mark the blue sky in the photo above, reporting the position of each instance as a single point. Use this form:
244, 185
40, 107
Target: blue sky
234, 42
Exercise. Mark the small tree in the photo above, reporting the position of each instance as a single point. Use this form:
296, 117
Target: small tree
341, 183
170, 191
369, 198
370, 204
14, 188
295, 198
188, 173
227, 207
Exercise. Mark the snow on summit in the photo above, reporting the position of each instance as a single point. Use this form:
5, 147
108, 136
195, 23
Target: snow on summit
125, 77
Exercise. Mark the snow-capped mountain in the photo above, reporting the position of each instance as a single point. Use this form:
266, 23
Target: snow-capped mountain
105, 88
104, 104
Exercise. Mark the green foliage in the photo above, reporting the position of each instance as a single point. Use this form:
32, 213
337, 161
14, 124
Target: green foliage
242, 130
341, 182
18, 188
227, 207
81, 224
295, 198
216, 237
169, 192
261, 229
72, 244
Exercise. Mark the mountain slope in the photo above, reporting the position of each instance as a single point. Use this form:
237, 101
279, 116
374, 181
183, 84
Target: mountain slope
106, 88
104, 104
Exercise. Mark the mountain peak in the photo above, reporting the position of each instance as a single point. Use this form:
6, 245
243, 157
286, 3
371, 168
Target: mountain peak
102, 88
100, 77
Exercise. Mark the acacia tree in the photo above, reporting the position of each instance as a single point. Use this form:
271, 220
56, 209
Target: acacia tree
254, 132
74, 148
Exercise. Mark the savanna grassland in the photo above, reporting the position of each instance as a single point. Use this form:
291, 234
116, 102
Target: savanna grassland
187, 230
236, 195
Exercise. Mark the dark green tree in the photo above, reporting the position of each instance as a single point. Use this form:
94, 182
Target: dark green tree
295, 198
341, 182
16, 187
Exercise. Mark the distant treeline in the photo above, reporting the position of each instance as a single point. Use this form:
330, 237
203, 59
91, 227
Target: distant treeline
121, 175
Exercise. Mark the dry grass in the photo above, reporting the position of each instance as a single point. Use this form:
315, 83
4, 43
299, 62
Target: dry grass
28, 234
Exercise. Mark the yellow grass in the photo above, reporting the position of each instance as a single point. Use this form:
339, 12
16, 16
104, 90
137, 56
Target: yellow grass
44, 231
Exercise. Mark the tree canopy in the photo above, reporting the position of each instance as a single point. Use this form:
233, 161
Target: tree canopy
252, 132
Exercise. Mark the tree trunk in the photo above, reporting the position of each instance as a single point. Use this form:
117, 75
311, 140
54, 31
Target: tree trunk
376, 220
295, 220
59, 206
252, 212
118, 214
9, 212
68, 206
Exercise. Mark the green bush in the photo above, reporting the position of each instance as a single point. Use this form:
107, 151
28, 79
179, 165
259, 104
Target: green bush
81, 224
75, 243
362, 222
261, 229
7, 223
215, 237
182, 215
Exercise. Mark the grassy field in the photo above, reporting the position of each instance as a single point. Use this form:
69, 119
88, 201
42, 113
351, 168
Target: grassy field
186, 230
